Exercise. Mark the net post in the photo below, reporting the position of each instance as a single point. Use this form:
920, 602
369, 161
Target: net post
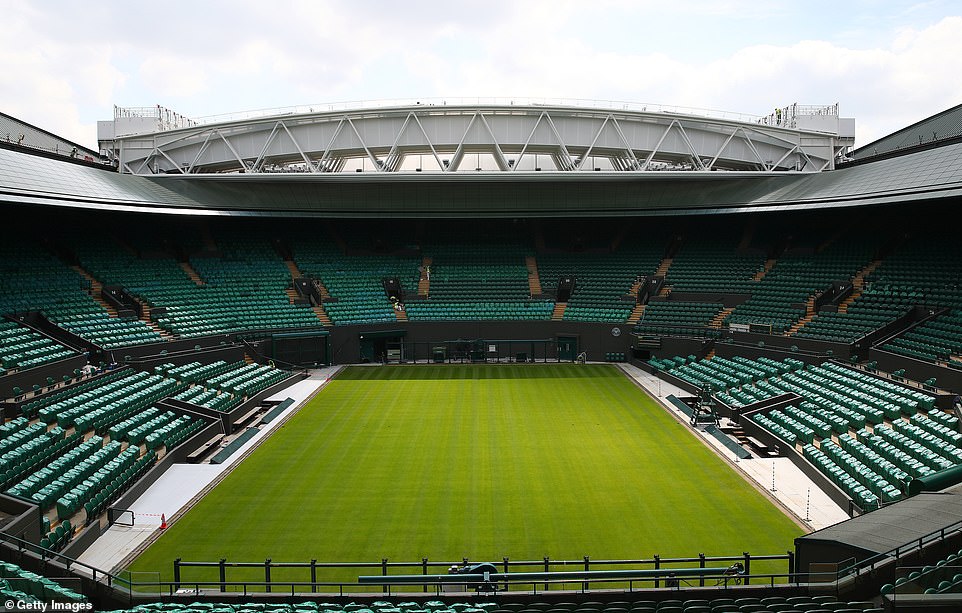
748, 567
176, 574
223, 574
267, 575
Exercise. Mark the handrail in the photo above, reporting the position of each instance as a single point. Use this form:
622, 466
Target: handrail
577, 575
660, 573
895, 553
45, 554
361, 105
291, 588
661, 569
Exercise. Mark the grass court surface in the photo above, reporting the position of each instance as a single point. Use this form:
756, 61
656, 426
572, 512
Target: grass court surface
480, 461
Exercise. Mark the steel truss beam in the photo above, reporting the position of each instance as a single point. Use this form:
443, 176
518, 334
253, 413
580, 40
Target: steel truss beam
386, 139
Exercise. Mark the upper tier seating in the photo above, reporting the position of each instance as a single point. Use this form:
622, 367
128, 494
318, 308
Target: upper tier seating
355, 282
243, 289
676, 317
925, 271
33, 280
602, 280
779, 298
874, 309
927, 267
710, 264
478, 281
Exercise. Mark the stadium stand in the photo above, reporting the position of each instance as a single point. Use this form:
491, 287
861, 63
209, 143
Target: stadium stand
603, 281
944, 576
72, 450
21, 348
35, 280
784, 296
478, 281
774, 604
355, 284
866, 434
708, 263
677, 317
27, 587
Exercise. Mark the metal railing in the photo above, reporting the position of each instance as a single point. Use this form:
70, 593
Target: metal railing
360, 105
582, 575
47, 555
857, 569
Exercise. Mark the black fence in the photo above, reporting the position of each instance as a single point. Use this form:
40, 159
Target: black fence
437, 577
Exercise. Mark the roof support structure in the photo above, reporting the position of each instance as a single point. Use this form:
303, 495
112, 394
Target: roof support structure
630, 141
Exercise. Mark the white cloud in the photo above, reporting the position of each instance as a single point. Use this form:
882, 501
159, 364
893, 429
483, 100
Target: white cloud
51, 82
66, 63
173, 76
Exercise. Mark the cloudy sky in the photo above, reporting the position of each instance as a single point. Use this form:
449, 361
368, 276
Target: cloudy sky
65, 63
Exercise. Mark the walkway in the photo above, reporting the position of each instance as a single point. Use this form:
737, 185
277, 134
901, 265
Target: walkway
778, 478
182, 484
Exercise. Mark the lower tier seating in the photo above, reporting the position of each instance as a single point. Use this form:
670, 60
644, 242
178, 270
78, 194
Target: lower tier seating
868, 435
733, 603
28, 587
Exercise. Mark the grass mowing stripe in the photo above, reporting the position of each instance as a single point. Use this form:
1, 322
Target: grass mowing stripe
478, 461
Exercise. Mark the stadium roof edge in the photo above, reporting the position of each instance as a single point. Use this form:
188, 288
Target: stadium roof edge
393, 138
51, 135
924, 176
911, 138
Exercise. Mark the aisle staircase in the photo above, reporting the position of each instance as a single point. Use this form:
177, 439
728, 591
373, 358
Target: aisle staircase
719, 319
559, 311
636, 314
769, 263
322, 315
662, 271
96, 290
191, 273
294, 270
145, 317
534, 279
424, 283
858, 283
809, 315
292, 294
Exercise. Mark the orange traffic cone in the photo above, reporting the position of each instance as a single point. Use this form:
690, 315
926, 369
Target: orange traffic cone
163, 521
